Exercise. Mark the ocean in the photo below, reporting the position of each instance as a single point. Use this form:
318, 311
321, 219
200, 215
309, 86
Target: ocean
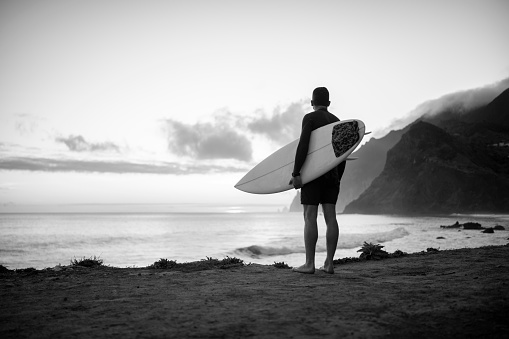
137, 236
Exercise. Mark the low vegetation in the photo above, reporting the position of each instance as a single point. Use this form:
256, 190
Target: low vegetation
281, 264
370, 251
204, 264
91, 262
163, 264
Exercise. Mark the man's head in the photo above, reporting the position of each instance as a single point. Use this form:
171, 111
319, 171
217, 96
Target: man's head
320, 97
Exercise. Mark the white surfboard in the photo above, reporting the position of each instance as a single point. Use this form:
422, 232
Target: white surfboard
328, 147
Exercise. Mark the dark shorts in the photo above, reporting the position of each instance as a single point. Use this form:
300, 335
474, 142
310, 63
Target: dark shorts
320, 191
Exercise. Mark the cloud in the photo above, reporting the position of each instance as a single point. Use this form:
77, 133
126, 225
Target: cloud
77, 143
281, 127
229, 136
201, 141
457, 102
462, 101
118, 167
27, 124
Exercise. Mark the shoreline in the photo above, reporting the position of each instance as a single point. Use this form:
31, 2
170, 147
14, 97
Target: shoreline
448, 293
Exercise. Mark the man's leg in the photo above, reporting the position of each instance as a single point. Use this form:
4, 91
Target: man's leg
329, 213
310, 238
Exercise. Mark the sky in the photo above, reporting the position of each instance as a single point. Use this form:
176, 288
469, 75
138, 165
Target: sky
173, 102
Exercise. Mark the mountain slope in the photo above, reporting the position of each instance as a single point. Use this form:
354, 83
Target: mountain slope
359, 174
456, 161
429, 172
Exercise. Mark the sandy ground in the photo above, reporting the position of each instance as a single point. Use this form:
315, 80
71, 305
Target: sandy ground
449, 294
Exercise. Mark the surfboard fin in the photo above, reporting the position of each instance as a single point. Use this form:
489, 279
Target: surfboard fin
351, 158
367, 133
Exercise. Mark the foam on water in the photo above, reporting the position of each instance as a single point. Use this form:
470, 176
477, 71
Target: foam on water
346, 241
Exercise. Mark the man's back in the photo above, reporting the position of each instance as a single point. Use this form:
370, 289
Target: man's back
318, 119
310, 122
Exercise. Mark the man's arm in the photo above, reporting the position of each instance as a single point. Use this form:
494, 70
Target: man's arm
341, 170
302, 149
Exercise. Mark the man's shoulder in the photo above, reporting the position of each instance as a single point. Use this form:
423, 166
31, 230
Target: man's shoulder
332, 116
308, 117
319, 118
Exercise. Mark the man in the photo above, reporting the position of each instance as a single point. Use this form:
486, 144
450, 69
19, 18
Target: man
323, 190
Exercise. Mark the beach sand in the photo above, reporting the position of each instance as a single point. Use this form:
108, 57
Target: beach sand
448, 294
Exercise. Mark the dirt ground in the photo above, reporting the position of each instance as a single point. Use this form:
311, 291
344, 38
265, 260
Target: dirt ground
449, 294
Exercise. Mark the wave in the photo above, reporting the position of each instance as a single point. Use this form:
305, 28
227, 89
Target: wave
346, 241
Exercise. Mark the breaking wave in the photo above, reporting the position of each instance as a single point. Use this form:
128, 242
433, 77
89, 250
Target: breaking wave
346, 241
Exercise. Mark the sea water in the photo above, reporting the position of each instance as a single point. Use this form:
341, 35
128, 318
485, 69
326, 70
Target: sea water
139, 237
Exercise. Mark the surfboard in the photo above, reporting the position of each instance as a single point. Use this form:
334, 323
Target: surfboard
328, 147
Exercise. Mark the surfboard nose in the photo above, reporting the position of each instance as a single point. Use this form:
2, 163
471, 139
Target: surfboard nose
241, 185
240, 188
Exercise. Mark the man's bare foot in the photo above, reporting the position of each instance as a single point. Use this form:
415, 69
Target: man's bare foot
328, 268
306, 269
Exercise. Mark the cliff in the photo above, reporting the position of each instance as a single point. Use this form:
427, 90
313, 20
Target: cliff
431, 172
360, 173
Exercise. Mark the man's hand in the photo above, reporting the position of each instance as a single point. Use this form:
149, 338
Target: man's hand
296, 182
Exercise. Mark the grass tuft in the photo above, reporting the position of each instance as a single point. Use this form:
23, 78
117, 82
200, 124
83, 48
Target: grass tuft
228, 261
204, 264
91, 262
397, 254
281, 264
163, 264
371, 251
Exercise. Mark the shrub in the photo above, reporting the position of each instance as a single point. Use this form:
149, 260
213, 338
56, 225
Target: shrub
163, 264
281, 264
397, 254
229, 262
371, 251
204, 264
87, 262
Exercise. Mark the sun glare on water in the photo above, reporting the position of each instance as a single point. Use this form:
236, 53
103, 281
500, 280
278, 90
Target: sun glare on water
235, 210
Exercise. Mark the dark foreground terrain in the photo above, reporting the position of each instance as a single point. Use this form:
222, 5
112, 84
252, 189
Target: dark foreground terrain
447, 294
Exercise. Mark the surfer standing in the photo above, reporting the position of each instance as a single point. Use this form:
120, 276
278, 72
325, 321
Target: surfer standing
323, 190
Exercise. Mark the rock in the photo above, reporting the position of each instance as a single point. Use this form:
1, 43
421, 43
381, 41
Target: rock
472, 226
456, 225
440, 238
499, 228
489, 230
